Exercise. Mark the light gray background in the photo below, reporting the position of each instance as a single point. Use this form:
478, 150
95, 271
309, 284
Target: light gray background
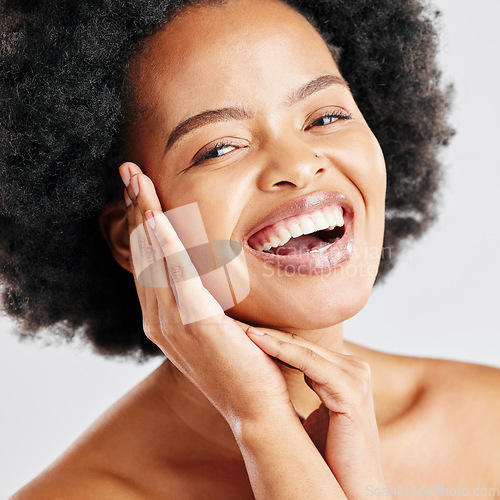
440, 301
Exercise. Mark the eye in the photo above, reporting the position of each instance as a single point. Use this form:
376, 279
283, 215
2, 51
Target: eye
221, 148
328, 118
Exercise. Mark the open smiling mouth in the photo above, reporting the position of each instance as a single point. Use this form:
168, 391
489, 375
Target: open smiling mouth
307, 233
307, 236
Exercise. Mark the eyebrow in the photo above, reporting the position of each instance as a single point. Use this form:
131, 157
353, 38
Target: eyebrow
313, 86
239, 113
204, 118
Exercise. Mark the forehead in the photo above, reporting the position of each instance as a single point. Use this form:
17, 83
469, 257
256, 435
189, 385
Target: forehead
240, 51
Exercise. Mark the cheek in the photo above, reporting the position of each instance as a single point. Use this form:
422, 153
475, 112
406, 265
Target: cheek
361, 160
220, 199
369, 175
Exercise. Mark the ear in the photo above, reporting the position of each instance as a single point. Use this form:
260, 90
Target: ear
113, 224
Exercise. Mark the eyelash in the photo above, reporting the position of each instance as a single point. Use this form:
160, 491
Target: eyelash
207, 152
340, 115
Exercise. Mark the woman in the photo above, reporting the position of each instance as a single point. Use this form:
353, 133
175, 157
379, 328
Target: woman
241, 109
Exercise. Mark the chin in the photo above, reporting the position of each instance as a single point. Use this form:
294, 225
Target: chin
319, 304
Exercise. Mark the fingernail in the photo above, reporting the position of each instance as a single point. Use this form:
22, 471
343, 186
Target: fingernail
128, 201
125, 175
150, 218
134, 182
254, 331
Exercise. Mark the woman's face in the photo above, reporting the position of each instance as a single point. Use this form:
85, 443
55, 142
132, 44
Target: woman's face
255, 164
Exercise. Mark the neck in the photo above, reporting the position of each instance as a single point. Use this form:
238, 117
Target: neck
178, 396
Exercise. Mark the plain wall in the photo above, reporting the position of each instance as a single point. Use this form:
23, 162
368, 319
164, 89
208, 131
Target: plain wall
440, 301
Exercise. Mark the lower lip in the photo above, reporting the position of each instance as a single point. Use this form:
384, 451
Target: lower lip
311, 263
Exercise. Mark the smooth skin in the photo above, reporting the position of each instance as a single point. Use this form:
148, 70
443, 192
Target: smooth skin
342, 382
220, 417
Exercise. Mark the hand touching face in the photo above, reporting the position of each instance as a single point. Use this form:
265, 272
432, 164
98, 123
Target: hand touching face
247, 114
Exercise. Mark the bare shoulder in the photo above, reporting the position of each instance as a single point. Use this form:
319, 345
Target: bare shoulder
76, 484
106, 461
93, 468
457, 406
469, 387
465, 398
440, 412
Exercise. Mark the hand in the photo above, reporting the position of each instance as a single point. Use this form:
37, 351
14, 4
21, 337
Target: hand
233, 369
214, 353
342, 382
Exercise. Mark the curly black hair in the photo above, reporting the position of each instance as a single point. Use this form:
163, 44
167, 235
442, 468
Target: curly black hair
62, 70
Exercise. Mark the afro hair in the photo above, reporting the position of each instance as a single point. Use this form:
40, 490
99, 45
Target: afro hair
63, 71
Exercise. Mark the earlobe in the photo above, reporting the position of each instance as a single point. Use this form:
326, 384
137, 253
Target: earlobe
113, 224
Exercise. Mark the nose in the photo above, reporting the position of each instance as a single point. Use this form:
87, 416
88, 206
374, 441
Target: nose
291, 167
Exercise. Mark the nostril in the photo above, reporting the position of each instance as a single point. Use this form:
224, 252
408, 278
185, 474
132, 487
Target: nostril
283, 183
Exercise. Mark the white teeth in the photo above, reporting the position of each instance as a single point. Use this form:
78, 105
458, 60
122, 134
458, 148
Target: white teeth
307, 225
328, 218
275, 241
319, 221
322, 249
332, 222
284, 236
295, 230
340, 219
337, 215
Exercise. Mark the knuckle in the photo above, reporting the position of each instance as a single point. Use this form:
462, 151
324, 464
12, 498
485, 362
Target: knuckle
281, 345
355, 360
176, 272
307, 359
364, 371
361, 368
280, 348
162, 240
148, 331
361, 385
357, 383
311, 355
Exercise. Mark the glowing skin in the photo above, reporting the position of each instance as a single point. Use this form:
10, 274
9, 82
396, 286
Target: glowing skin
179, 421
266, 159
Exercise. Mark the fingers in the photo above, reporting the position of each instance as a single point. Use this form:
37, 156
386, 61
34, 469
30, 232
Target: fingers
342, 382
303, 358
332, 356
140, 248
137, 234
194, 301
147, 255
157, 240
342, 360
352, 445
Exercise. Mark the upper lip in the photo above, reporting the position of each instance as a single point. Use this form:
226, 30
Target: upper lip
298, 206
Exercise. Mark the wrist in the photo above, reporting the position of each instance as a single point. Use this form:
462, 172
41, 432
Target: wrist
281, 460
267, 423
